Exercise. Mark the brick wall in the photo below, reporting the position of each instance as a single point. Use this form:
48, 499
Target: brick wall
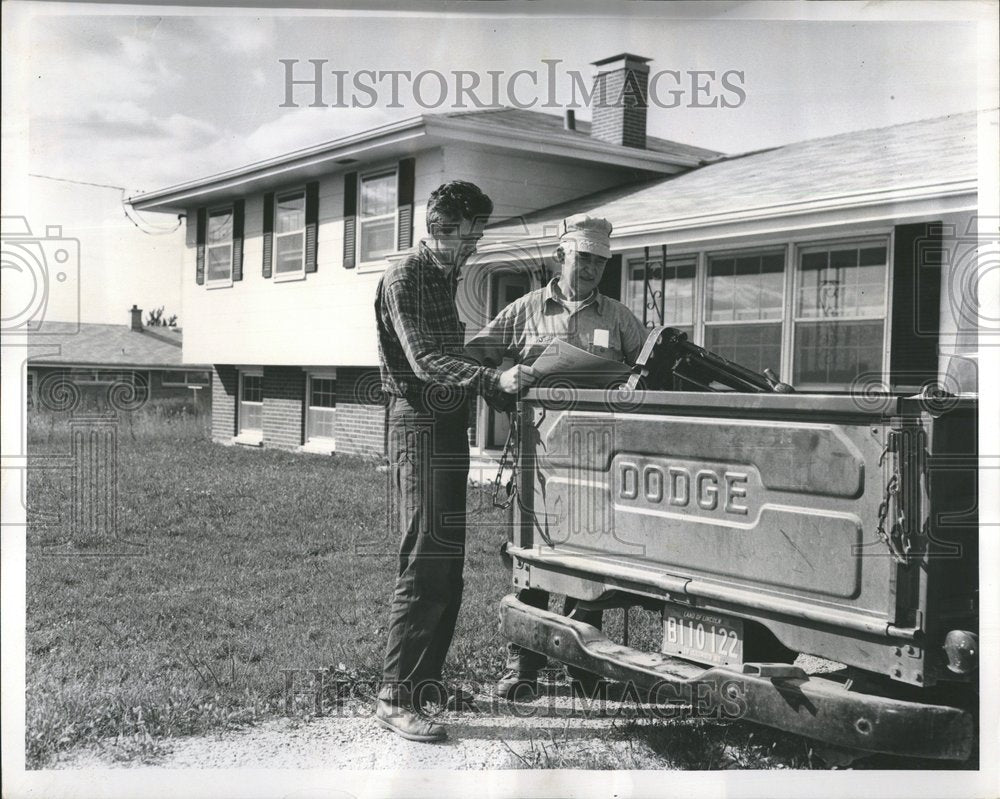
616, 117
284, 406
224, 393
360, 416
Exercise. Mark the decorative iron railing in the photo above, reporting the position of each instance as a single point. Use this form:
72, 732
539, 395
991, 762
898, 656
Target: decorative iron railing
654, 298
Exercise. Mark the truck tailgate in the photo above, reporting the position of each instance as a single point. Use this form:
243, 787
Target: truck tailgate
771, 496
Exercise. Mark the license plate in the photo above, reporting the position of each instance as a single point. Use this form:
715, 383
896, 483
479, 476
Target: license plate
702, 637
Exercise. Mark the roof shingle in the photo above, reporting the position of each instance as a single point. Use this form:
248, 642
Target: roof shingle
924, 153
111, 345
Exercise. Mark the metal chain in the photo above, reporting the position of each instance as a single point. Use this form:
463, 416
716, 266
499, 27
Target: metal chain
891, 489
509, 457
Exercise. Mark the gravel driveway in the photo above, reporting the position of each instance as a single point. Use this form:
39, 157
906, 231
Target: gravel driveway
352, 740
555, 730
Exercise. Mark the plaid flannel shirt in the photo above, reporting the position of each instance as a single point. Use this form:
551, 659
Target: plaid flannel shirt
420, 337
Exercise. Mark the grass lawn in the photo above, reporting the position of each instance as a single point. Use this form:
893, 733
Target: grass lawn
250, 562
248, 566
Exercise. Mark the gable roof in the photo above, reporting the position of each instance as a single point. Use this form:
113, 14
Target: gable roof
504, 128
88, 344
932, 156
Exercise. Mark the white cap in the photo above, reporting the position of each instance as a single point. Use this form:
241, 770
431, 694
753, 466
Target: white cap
589, 233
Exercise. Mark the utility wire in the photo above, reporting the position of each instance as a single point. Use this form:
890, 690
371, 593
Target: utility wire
153, 231
80, 182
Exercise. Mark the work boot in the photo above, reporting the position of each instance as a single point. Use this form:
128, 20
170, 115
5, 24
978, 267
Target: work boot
517, 685
520, 681
408, 723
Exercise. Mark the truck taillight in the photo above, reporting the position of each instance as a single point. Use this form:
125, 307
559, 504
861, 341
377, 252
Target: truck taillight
962, 650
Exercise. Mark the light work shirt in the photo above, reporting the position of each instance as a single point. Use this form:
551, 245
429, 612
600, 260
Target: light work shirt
523, 329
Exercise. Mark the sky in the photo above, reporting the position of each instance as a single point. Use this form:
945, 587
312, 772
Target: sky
144, 98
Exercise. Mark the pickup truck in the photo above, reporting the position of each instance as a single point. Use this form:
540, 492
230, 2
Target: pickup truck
759, 524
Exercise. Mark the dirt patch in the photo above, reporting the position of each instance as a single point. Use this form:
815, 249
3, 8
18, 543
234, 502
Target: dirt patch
499, 735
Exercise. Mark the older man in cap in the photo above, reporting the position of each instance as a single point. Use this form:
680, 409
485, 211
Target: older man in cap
569, 308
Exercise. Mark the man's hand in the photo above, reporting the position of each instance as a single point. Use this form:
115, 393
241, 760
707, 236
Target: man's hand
517, 378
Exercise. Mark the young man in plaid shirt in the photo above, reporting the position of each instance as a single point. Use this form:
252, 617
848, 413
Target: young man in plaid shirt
429, 384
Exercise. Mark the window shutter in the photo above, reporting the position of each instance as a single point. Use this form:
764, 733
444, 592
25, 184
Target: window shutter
312, 224
404, 204
268, 236
350, 218
238, 208
200, 224
611, 280
916, 297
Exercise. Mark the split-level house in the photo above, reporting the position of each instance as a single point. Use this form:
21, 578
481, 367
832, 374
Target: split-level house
834, 262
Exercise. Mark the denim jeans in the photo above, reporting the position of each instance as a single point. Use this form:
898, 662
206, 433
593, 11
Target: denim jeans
428, 474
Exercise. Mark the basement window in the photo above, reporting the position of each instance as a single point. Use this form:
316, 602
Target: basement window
321, 410
251, 404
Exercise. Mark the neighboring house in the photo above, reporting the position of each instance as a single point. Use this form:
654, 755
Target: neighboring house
817, 259
137, 363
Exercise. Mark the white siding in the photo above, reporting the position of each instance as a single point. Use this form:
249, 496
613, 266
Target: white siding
520, 183
328, 318
325, 319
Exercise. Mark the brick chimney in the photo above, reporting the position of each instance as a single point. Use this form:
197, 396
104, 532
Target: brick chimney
621, 94
136, 313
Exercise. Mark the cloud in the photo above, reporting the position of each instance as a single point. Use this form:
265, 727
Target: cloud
301, 127
243, 35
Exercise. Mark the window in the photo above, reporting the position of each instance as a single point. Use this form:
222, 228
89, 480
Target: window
839, 312
290, 235
185, 378
100, 376
743, 308
377, 218
669, 295
321, 406
219, 247
31, 390
251, 401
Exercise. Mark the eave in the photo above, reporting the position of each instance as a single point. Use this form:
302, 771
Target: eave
398, 139
880, 204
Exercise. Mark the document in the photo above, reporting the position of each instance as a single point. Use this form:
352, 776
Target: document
580, 367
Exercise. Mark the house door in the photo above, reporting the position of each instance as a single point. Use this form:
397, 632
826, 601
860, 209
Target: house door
505, 287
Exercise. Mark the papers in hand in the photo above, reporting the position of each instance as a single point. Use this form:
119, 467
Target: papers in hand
580, 367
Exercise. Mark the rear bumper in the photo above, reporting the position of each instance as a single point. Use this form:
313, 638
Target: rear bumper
776, 695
